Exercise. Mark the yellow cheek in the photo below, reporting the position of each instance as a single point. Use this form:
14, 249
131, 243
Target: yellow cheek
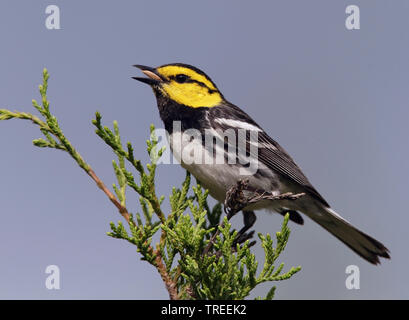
192, 95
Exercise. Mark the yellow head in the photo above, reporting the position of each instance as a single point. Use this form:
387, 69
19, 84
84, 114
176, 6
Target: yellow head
183, 84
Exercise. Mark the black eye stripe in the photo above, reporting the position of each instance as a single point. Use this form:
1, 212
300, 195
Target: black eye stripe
181, 78
189, 80
202, 85
198, 82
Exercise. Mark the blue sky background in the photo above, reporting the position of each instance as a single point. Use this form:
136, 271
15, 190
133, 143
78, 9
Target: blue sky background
337, 100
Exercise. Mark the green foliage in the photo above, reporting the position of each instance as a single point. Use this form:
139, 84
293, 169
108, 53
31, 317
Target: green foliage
54, 137
227, 271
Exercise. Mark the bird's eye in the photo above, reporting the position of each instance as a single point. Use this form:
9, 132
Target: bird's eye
181, 78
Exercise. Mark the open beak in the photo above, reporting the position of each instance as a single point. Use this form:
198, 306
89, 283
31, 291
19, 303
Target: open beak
153, 76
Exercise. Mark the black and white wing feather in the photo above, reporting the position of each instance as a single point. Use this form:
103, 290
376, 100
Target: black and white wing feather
270, 153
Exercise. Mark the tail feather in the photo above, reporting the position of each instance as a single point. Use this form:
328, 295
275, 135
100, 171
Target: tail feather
364, 245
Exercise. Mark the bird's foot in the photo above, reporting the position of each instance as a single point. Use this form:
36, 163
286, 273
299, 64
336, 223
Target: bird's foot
236, 201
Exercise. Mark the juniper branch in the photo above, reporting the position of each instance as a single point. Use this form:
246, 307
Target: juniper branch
56, 139
240, 196
228, 270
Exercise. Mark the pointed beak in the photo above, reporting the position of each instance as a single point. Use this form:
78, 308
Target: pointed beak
153, 77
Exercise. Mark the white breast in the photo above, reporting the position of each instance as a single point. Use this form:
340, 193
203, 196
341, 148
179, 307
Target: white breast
215, 177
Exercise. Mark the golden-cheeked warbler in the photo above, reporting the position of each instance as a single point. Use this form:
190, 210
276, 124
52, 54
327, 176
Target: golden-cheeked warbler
189, 100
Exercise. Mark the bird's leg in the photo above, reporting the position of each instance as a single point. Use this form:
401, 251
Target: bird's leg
249, 218
213, 238
232, 204
236, 201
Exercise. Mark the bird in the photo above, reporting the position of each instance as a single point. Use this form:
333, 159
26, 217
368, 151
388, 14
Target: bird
186, 96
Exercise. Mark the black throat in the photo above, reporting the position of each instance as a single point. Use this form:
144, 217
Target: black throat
171, 111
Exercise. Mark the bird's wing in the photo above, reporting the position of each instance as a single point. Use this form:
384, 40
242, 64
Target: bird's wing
270, 153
